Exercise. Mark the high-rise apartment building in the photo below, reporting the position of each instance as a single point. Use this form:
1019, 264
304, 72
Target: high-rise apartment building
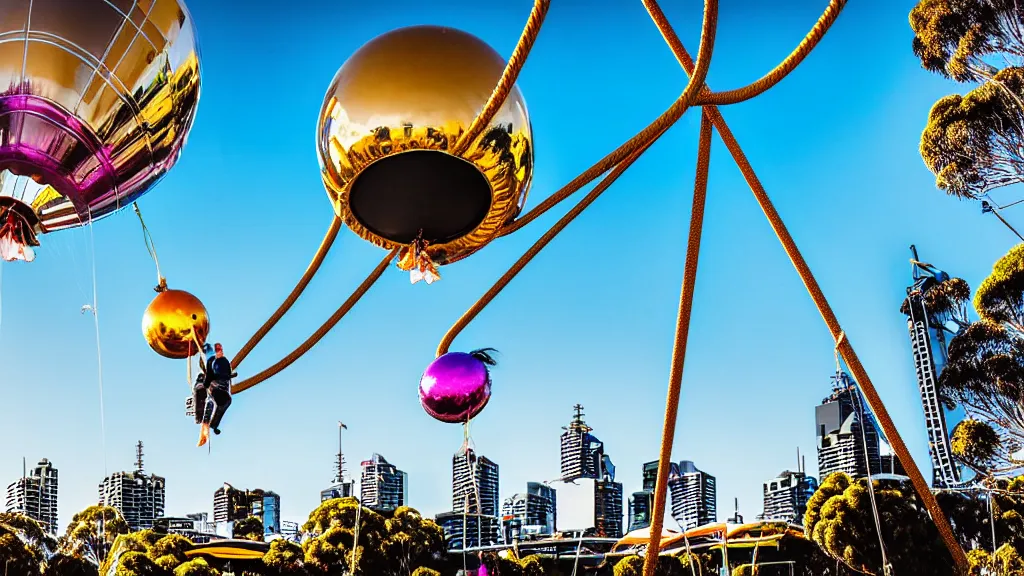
341, 487
694, 496
642, 503
231, 504
530, 513
928, 343
35, 495
583, 456
786, 496
382, 486
843, 445
473, 520
139, 497
474, 483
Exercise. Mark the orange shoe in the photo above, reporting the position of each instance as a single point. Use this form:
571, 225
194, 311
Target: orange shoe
204, 434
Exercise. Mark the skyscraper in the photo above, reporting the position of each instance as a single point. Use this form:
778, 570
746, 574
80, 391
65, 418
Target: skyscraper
583, 456
473, 520
341, 488
694, 496
383, 487
786, 496
928, 343
467, 466
530, 513
35, 496
842, 444
137, 496
642, 503
231, 504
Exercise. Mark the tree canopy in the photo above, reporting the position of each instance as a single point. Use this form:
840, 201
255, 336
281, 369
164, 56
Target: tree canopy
249, 528
972, 143
964, 39
840, 520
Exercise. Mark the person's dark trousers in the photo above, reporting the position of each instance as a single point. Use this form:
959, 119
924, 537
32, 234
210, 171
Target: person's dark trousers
221, 393
199, 402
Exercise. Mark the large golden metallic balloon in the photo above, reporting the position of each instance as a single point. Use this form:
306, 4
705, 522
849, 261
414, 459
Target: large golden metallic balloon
175, 324
391, 114
96, 100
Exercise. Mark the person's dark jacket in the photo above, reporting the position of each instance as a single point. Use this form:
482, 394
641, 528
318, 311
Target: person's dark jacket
218, 370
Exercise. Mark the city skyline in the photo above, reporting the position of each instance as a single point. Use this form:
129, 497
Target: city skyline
595, 330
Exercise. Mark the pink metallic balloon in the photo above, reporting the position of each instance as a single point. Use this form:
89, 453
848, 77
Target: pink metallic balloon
456, 386
97, 98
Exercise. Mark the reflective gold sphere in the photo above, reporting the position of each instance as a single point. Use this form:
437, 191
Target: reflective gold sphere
169, 322
390, 116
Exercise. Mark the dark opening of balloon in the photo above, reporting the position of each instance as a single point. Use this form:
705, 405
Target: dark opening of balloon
18, 225
420, 194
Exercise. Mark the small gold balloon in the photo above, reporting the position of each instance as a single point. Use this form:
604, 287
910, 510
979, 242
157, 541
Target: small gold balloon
391, 115
173, 323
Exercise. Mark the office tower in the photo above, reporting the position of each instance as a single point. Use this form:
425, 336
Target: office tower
139, 497
35, 495
583, 456
473, 520
786, 496
466, 466
530, 513
694, 496
642, 503
928, 343
736, 518
383, 487
341, 488
231, 504
842, 443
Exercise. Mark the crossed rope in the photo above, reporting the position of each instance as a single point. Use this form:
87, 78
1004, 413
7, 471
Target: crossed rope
696, 94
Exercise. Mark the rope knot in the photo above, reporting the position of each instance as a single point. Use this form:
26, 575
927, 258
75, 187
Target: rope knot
162, 286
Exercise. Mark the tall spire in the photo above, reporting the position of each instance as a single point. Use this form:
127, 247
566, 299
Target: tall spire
339, 464
138, 457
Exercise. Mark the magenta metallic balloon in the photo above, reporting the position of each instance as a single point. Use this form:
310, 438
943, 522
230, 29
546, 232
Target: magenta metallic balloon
455, 387
97, 98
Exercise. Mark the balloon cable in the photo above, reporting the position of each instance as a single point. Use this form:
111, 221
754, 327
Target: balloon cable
99, 349
147, 237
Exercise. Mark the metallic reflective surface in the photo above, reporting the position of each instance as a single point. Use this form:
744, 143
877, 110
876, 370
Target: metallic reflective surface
96, 100
413, 90
169, 322
455, 387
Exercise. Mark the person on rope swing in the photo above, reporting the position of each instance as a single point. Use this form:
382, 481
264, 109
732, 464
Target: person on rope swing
217, 383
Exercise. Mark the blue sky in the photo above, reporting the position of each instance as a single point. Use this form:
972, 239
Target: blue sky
589, 321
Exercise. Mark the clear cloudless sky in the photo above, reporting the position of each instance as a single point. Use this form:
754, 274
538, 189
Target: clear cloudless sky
590, 320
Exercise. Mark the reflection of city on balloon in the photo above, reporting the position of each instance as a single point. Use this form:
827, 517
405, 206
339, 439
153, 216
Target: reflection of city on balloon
96, 111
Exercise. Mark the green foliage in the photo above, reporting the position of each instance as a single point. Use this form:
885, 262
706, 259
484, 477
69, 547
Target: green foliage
169, 551
21, 541
972, 143
62, 565
634, 566
284, 559
1006, 562
1000, 298
424, 571
959, 38
92, 532
746, 570
250, 528
386, 546
138, 564
197, 567
839, 519
975, 443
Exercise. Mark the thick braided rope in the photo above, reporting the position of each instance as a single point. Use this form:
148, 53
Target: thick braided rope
643, 138
668, 433
844, 346
307, 276
775, 76
321, 331
630, 152
508, 77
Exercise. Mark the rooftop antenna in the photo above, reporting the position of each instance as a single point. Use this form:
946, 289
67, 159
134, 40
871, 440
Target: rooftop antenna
138, 457
24, 470
798, 468
340, 464
577, 420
